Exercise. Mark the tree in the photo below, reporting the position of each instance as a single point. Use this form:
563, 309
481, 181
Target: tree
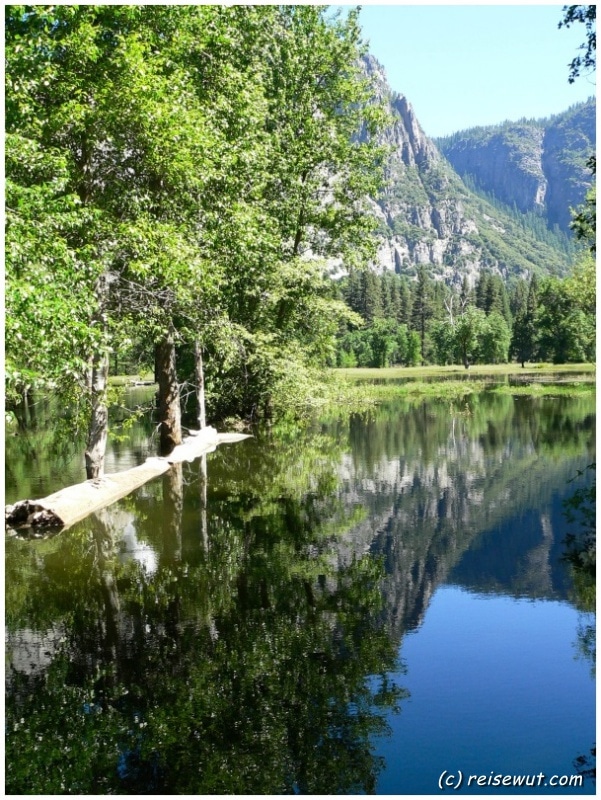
444, 341
518, 297
50, 276
584, 219
382, 339
565, 332
51, 122
581, 285
413, 349
321, 161
495, 339
481, 290
422, 308
211, 159
372, 307
468, 330
586, 15
525, 336
584, 222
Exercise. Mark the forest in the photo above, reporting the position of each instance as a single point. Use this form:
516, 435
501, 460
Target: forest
181, 184
426, 322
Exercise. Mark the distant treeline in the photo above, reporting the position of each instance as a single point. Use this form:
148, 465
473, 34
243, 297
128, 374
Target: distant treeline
426, 322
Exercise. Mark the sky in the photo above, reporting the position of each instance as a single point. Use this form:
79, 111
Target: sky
466, 65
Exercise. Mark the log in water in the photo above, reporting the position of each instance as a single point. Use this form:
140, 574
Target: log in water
73, 503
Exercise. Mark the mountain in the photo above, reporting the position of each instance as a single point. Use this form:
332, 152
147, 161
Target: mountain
428, 215
538, 165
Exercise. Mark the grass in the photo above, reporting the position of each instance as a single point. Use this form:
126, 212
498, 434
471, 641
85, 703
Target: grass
400, 373
128, 380
566, 388
360, 388
364, 387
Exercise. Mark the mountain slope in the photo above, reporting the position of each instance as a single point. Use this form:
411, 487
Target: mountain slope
538, 165
427, 215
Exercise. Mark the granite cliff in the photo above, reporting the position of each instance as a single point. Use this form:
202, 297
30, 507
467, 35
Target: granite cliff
428, 215
536, 165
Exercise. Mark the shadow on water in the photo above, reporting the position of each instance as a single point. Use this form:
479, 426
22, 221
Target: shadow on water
235, 625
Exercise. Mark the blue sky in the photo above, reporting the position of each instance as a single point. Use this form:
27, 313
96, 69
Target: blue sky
466, 65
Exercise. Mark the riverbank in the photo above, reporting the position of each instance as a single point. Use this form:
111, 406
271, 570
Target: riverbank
496, 370
365, 387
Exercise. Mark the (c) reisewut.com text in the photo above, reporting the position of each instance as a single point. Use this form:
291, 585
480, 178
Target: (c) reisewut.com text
455, 780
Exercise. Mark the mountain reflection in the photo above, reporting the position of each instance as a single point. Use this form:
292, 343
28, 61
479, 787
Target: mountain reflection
232, 627
455, 495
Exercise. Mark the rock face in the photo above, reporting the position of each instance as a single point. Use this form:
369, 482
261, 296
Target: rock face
507, 163
428, 216
568, 143
538, 165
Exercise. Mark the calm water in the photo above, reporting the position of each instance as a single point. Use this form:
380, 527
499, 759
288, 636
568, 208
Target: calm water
358, 607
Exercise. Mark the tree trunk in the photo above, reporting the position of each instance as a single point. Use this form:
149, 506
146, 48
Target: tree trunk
169, 405
99, 421
200, 385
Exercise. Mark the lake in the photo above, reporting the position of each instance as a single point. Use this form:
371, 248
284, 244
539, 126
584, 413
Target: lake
373, 603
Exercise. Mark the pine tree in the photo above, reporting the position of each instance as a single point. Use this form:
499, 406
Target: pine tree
524, 339
371, 296
406, 302
422, 309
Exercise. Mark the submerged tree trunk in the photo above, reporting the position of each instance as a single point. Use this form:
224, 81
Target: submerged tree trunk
169, 405
99, 420
200, 385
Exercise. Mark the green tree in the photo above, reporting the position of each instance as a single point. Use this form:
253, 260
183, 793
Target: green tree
495, 340
469, 327
413, 349
444, 342
584, 221
581, 285
372, 305
321, 163
212, 157
383, 341
422, 309
565, 332
525, 335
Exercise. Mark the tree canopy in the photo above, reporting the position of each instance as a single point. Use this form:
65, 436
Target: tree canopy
177, 177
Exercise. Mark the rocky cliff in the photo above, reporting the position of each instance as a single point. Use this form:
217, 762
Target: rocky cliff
428, 215
536, 165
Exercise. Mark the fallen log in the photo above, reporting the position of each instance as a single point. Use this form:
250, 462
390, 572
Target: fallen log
73, 503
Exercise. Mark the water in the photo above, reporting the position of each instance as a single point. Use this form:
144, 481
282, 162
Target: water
358, 607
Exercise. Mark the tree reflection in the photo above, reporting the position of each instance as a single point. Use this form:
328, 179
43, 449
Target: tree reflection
581, 555
244, 667
222, 636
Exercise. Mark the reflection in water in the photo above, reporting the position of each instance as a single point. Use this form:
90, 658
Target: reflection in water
234, 626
